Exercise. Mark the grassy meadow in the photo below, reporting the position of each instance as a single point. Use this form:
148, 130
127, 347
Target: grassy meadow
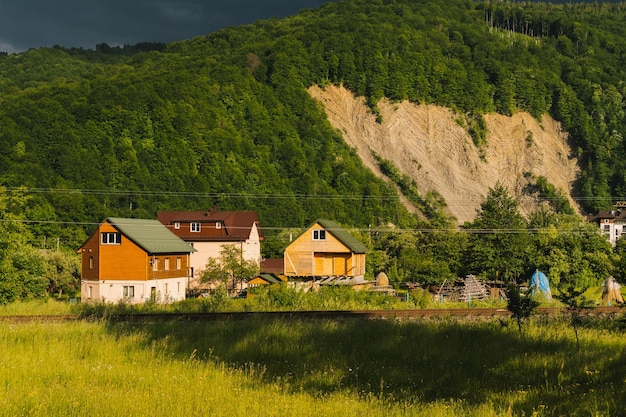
351, 367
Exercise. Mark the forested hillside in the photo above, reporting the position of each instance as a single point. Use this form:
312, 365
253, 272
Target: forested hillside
226, 120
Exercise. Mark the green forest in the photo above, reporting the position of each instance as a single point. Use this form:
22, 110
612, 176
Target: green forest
225, 120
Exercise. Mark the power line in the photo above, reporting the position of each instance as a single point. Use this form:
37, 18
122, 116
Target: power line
353, 229
154, 193
201, 194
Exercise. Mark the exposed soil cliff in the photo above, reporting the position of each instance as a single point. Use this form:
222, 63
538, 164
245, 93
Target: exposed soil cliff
426, 143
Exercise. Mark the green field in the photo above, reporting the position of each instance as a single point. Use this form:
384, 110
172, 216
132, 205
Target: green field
353, 367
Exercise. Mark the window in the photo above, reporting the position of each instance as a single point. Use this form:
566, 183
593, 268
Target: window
155, 264
319, 234
177, 225
179, 263
166, 264
111, 238
128, 291
91, 263
607, 229
195, 227
218, 225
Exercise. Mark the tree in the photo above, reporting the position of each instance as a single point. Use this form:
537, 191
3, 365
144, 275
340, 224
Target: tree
62, 270
575, 302
229, 269
21, 265
570, 249
499, 241
520, 306
620, 262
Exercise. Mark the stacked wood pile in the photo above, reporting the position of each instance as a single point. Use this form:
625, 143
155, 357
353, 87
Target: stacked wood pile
472, 289
465, 289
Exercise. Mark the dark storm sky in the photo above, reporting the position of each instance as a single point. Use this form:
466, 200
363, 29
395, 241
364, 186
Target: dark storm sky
28, 24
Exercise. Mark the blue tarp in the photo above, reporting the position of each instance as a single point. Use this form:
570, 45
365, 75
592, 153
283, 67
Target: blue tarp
539, 281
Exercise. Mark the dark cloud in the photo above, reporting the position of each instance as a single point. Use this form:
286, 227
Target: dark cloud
74, 23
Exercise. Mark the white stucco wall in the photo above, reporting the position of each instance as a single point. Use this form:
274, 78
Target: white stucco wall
251, 251
166, 290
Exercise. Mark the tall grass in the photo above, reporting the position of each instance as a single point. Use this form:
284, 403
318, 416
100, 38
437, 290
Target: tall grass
294, 367
283, 298
42, 306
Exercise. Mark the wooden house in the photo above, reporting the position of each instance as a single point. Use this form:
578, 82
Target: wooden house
325, 250
135, 260
209, 231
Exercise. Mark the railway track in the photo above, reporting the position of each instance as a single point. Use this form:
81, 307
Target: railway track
333, 314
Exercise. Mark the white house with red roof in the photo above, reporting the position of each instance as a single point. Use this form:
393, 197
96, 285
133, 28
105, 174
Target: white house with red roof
208, 231
612, 223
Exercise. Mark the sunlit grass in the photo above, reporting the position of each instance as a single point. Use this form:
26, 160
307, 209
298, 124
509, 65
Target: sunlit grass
442, 367
43, 306
84, 369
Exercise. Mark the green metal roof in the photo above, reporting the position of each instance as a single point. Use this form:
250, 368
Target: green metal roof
150, 235
270, 278
342, 235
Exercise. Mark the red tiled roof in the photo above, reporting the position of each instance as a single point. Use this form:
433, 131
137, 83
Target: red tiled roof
238, 224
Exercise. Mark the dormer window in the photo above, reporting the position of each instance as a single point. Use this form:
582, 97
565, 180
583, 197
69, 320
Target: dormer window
111, 238
319, 234
177, 225
218, 225
195, 227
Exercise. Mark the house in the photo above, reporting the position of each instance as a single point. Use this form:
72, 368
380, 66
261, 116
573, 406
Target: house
208, 231
325, 250
265, 279
135, 260
612, 223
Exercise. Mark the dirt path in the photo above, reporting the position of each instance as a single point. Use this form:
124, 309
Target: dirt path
426, 143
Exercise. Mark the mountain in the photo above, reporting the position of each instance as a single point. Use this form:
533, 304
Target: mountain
299, 118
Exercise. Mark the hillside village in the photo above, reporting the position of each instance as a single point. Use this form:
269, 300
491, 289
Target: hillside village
163, 260
137, 260
325, 253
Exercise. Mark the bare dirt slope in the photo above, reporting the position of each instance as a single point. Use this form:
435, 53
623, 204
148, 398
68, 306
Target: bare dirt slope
427, 144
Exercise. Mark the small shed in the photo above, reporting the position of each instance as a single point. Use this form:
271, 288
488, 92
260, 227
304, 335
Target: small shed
264, 279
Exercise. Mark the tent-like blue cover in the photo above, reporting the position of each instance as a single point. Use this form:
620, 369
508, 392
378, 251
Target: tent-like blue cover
539, 281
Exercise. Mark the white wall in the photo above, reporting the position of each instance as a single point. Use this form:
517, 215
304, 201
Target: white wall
167, 290
612, 230
251, 251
